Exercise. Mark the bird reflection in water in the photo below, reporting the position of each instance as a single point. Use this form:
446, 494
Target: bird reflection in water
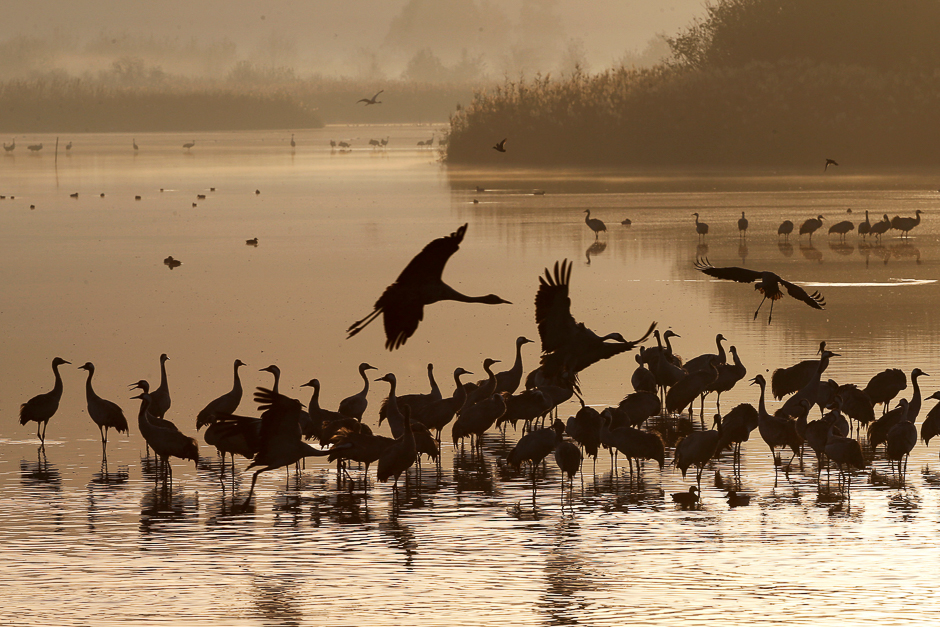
104, 484
472, 473
742, 252
627, 492
103, 477
905, 251
841, 248
785, 248
701, 250
905, 504
274, 595
401, 535
569, 577
810, 252
345, 507
40, 473
595, 249
165, 503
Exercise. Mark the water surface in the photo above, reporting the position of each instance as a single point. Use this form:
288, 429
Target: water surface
86, 541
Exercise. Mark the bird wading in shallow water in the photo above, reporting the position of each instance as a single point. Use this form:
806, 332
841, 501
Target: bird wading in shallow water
43, 406
767, 283
419, 284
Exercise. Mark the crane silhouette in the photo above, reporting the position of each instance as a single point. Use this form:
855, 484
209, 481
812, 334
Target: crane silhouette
742, 225
42, 407
810, 226
594, 224
501, 146
373, 100
700, 227
189, 145
767, 283
568, 347
905, 224
419, 284
11, 146
227, 403
106, 414
785, 228
165, 442
865, 227
354, 406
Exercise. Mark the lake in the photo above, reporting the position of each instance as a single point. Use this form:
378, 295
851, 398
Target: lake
88, 540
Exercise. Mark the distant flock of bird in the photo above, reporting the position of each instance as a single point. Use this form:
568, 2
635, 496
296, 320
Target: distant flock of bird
664, 387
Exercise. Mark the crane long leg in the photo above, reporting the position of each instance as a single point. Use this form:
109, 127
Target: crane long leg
254, 479
761, 305
359, 325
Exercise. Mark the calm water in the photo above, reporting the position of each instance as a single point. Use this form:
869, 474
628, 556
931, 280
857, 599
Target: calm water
84, 542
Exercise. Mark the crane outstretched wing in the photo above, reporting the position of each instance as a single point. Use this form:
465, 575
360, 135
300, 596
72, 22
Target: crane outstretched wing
428, 265
814, 300
401, 302
729, 273
553, 308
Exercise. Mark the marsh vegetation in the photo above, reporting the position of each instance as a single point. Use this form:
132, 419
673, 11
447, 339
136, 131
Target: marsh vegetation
755, 82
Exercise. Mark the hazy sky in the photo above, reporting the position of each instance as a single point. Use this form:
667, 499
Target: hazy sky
325, 31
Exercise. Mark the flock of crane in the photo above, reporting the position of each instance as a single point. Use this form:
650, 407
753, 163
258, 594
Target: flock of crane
904, 224
664, 387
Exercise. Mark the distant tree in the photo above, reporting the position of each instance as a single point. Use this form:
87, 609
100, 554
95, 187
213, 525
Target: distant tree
871, 33
424, 66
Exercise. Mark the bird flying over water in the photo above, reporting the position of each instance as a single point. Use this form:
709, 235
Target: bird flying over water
568, 347
829, 162
501, 146
419, 284
372, 100
767, 283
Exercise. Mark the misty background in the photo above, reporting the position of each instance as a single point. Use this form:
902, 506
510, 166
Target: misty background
423, 40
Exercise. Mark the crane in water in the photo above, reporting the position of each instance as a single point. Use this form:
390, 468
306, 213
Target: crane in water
742, 225
42, 407
594, 224
419, 284
189, 145
767, 283
785, 228
700, 227
106, 414
810, 226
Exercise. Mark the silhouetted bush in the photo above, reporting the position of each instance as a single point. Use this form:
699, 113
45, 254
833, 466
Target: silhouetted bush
758, 82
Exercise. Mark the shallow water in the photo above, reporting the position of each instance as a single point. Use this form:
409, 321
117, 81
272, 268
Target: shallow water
89, 543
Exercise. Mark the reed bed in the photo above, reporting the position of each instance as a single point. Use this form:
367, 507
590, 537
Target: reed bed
755, 82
